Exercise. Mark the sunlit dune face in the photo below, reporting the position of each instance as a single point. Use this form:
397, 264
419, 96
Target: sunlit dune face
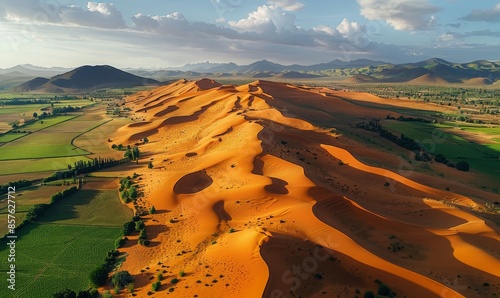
257, 196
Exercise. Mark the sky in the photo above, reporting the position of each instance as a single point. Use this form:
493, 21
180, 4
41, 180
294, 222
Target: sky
160, 34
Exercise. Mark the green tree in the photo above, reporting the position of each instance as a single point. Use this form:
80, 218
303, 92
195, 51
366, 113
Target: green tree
384, 290
99, 276
462, 166
150, 165
152, 210
66, 293
139, 225
146, 140
121, 279
156, 286
35, 114
369, 294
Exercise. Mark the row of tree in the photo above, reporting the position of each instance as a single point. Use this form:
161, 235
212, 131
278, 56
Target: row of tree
4, 188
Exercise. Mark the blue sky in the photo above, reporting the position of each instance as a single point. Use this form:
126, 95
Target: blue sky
156, 34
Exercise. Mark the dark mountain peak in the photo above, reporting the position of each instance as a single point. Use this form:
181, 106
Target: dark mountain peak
98, 76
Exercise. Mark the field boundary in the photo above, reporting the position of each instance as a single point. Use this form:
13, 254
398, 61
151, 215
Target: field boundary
89, 130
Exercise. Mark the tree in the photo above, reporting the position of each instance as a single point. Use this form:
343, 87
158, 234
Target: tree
66, 293
384, 290
139, 225
99, 276
156, 286
146, 140
121, 279
150, 165
35, 114
369, 294
462, 166
90, 293
152, 210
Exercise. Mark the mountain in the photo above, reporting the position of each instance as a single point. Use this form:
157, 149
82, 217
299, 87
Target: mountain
88, 77
29, 70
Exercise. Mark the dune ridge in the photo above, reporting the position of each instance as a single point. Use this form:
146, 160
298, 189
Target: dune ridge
249, 187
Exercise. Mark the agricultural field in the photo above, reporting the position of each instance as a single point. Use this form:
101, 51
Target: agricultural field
96, 140
26, 198
445, 139
10, 167
70, 240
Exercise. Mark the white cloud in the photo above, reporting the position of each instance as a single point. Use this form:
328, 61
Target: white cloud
400, 14
287, 5
266, 19
489, 15
101, 15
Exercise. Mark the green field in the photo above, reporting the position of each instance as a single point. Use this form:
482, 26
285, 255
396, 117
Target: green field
26, 198
8, 137
9, 167
53, 141
44, 123
70, 240
482, 158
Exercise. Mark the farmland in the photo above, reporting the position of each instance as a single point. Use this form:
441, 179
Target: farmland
444, 139
68, 242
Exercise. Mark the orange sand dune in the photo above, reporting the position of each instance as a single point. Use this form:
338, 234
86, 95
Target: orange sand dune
253, 202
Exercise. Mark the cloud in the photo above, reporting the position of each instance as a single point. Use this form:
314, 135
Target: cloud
451, 36
287, 5
100, 15
400, 14
266, 19
491, 15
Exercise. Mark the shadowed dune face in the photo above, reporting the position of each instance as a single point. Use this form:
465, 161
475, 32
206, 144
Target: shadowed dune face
259, 195
192, 183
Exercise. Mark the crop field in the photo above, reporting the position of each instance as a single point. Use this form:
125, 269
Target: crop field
69, 241
54, 141
9, 167
96, 140
45, 123
435, 139
8, 137
89, 207
26, 198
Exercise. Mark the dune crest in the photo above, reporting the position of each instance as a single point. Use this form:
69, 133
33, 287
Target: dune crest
257, 196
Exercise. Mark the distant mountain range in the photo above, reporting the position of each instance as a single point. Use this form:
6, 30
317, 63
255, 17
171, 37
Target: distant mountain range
432, 71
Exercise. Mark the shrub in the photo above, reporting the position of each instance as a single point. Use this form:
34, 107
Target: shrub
99, 276
159, 277
369, 294
119, 242
174, 280
384, 290
142, 234
128, 228
131, 288
182, 273
66, 293
121, 279
156, 286
462, 166
90, 293
139, 225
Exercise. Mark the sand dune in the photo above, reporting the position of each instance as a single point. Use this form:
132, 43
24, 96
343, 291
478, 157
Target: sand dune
253, 201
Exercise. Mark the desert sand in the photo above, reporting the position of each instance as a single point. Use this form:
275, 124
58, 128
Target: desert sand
258, 195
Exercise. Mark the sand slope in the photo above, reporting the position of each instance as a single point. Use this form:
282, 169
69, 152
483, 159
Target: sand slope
253, 201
